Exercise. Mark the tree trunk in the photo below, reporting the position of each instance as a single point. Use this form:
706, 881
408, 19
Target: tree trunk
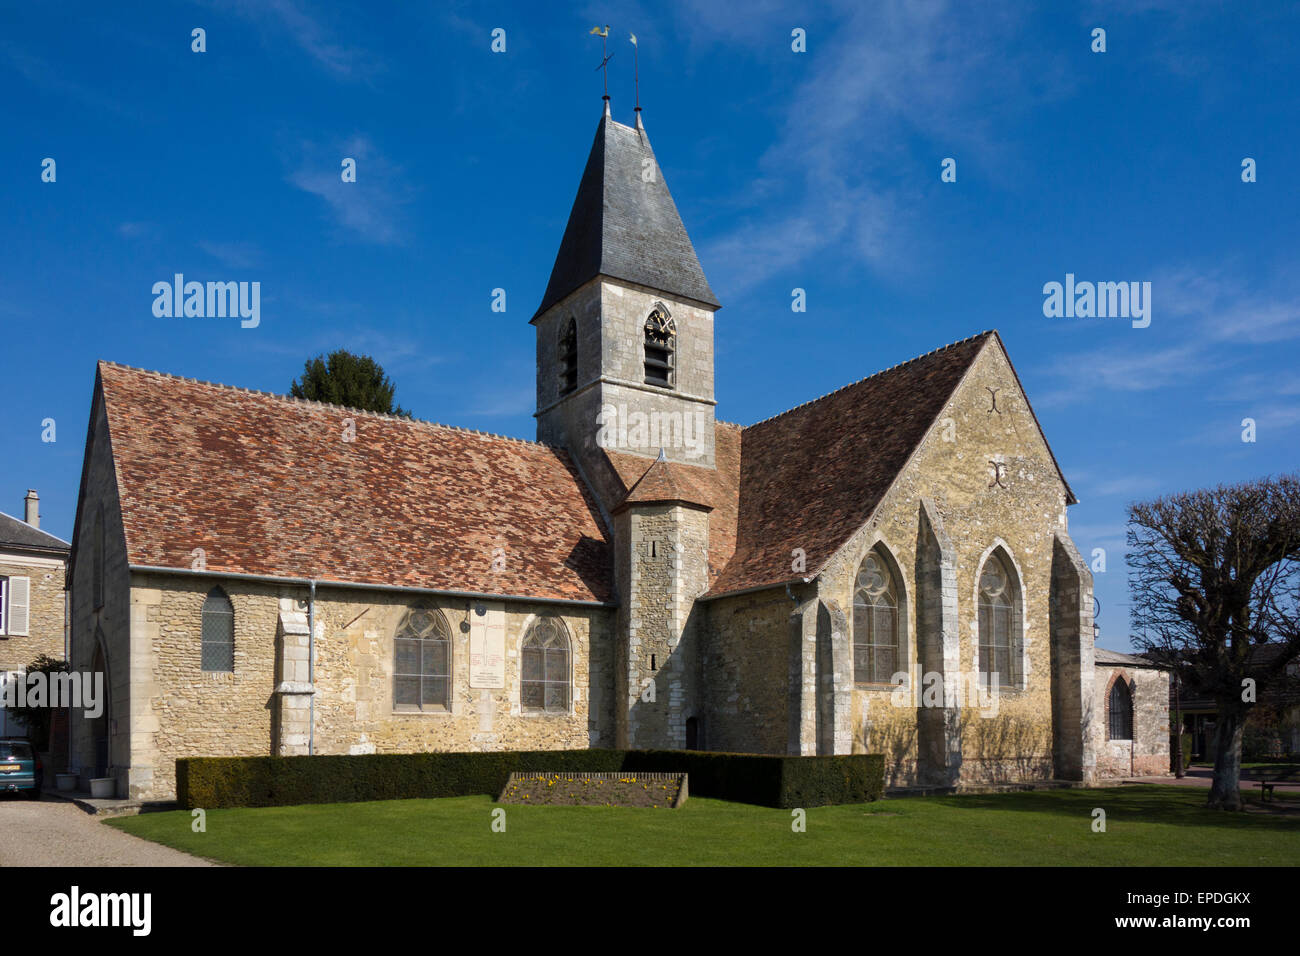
1225, 791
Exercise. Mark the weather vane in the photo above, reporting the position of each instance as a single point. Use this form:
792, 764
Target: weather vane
604, 63
636, 72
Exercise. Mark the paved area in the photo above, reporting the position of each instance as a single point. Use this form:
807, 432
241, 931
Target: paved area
57, 833
1203, 777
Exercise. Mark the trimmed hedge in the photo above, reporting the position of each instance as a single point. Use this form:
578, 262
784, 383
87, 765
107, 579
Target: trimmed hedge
770, 781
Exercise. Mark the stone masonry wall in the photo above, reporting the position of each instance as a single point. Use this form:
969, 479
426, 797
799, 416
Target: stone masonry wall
202, 713
746, 670
111, 621
611, 317
1018, 507
667, 571
354, 683
197, 712
1147, 754
45, 615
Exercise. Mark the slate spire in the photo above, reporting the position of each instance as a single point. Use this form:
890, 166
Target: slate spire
624, 223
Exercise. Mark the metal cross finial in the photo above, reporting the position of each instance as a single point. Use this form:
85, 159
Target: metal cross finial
605, 58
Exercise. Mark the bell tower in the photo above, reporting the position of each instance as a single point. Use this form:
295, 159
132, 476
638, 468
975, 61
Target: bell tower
625, 327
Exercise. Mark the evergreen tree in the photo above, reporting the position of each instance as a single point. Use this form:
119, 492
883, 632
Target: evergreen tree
353, 381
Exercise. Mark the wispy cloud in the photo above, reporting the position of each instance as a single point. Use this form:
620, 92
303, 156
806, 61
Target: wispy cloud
236, 255
56, 80
1125, 486
137, 230
1218, 320
369, 207
504, 401
888, 74
285, 17
388, 349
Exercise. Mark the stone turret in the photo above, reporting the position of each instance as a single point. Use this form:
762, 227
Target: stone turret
661, 531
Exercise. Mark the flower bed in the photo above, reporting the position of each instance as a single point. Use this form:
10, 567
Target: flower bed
626, 789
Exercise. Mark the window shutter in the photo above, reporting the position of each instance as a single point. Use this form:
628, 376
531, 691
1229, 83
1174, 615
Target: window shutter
20, 590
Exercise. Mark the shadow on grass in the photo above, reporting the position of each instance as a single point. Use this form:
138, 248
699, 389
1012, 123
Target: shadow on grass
1150, 803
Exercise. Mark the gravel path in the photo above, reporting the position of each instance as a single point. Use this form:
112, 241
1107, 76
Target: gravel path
55, 833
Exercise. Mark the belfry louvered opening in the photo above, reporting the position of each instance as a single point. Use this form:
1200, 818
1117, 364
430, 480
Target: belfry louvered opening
568, 357
660, 342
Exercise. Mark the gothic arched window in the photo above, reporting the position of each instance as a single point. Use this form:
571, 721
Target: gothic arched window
876, 655
422, 660
1121, 711
544, 687
660, 342
217, 640
1000, 646
568, 356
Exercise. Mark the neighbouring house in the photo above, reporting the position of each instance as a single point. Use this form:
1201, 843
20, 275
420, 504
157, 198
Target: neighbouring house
257, 574
33, 606
1132, 706
1272, 726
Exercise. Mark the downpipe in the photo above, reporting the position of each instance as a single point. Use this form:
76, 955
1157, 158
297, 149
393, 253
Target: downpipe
311, 666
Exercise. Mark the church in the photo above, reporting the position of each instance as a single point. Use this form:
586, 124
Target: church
884, 569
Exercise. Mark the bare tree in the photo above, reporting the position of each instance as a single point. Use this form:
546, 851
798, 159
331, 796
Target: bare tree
1214, 573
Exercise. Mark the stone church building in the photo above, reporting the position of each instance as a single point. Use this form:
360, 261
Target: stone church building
886, 568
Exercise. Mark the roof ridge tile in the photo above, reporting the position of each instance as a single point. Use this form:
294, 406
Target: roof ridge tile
883, 371
309, 401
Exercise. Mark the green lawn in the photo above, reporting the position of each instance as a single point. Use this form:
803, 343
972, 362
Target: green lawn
1155, 826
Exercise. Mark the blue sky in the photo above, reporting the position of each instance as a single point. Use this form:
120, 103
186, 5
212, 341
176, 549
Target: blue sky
818, 170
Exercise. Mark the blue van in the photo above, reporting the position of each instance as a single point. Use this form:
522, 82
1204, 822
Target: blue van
20, 768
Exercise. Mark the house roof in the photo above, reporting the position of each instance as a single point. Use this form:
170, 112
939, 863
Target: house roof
267, 485
625, 225
1283, 688
1104, 656
18, 534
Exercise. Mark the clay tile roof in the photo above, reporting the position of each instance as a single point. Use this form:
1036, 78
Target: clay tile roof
625, 226
665, 482
266, 485
717, 487
812, 476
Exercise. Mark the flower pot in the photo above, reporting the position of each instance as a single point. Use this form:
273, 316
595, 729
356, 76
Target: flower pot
66, 781
103, 788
